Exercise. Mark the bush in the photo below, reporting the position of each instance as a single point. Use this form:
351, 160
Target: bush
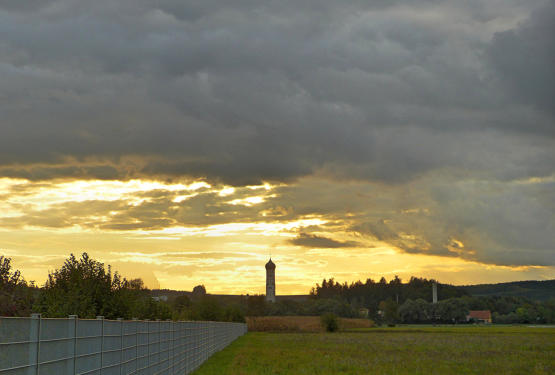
330, 322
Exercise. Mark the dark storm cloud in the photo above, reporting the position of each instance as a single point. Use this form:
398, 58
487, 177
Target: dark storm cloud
426, 122
315, 241
504, 223
248, 90
525, 58
24, 6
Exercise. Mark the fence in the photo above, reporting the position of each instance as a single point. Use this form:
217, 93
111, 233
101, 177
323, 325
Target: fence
44, 346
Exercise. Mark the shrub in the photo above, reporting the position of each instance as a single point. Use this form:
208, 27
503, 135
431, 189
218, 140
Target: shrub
330, 322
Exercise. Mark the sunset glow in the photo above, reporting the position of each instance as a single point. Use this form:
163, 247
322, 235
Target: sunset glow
226, 255
185, 143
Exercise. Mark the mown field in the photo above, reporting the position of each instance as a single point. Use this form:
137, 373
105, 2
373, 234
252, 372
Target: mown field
397, 350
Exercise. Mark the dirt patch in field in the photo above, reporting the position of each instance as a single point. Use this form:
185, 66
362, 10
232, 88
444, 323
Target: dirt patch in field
300, 323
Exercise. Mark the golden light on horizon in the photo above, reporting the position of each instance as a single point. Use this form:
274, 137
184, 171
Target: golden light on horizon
178, 235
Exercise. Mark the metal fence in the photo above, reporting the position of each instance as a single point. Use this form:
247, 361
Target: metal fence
35, 345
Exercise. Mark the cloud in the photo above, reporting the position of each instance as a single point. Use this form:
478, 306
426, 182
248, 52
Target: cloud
315, 241
134, 270
503, 223
249, 92
425, 125
494, 222
523, 59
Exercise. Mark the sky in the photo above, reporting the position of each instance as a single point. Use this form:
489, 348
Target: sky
185, 142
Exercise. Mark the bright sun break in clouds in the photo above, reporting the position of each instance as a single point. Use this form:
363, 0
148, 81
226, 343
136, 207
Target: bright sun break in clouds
184, 142
169, 252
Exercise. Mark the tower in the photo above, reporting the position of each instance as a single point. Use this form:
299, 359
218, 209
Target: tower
270, 281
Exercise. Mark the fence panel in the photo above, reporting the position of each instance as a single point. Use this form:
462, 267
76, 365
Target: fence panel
35, 345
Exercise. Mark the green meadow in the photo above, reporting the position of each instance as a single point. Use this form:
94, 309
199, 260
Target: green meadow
396, 350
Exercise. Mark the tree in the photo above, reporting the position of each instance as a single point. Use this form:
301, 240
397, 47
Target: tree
332, 305
148, 308
330, 322
83, 287
390, 311
408, 312
256, 305
15, 296
208, 308
452, 310
415, 311
129, 298
199, 292
181, 303
8, 278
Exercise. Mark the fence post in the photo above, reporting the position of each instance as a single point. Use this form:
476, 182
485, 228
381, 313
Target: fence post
159, 346
148, 345
136, 344
120, 346
101, 318
206, 341
34, 337
196, 341
72, 333
200, 338
170, 345
193, 343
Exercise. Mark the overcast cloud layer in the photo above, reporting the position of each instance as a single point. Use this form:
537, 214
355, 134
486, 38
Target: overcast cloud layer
438, 114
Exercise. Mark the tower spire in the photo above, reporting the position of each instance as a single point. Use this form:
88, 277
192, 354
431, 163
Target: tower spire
270, 281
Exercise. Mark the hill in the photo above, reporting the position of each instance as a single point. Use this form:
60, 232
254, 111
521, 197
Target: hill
534, 290
224, 298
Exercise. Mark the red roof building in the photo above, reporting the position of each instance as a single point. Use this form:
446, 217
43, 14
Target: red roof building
480, 316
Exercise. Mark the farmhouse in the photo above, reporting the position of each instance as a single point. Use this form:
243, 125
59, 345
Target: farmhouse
479, 316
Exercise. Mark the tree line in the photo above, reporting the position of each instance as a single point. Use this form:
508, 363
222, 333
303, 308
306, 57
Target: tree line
411, 302
86, 288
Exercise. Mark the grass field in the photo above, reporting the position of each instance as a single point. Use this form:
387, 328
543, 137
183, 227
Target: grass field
398, 350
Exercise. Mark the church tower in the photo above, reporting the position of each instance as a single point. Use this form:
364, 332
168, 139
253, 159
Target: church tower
270, 281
